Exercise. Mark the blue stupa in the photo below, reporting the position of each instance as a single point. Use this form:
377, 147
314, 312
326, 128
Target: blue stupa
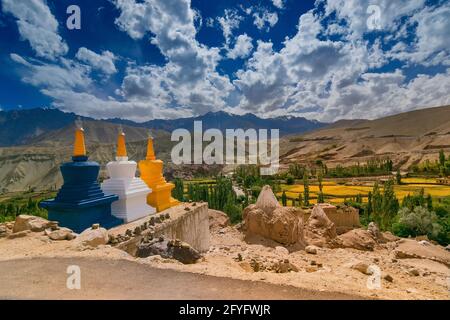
81, 202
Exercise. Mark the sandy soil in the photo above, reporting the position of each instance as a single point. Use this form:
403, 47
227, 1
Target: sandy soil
335, 274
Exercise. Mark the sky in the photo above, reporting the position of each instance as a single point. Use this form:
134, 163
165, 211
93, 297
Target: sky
160, 59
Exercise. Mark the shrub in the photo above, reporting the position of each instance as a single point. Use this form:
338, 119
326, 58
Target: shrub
419, 221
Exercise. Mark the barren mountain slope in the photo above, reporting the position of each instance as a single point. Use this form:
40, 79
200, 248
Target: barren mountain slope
406, 138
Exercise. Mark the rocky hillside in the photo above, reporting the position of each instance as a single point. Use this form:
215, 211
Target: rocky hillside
407, 138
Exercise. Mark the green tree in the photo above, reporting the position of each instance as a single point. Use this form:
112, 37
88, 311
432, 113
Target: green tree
389, 205
441, 158
284, 199
306, 189
300, 199
398, 177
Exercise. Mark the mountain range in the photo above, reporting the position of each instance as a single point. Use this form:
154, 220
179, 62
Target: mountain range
33, 143
26, 126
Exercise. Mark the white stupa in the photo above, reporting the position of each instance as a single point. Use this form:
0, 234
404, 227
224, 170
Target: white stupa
132, 191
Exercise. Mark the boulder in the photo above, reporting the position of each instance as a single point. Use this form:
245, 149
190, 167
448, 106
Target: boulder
93, 237
282, 251
311, 249
183, 252
169, 249
26, 222
361, 267
61, 234
359, 239
320, 230
267, 218
217, 219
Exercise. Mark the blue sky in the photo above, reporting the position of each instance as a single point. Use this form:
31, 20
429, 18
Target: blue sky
324, 59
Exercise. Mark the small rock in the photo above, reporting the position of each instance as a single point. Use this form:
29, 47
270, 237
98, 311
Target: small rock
128, 232
144, 226
194, 204
137, 230
162, 217
239, 257
388, 278
183, 252
311, 269
447, 247
311, 249
95, 226
284, 266
151, 221
281, 250
61, 234
19, 234
157, 219
313, 263
187, 209
414, 272
411, 290
167, 215
361, 267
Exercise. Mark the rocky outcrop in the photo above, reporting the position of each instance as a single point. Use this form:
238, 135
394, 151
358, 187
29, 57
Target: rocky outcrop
217, 219
408, 248
358, 239
320, 230
267, 218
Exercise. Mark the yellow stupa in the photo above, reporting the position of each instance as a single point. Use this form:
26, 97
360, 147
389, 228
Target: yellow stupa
152, 173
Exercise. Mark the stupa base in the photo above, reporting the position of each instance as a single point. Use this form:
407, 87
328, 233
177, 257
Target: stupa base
132, 204
161, 197
81, 216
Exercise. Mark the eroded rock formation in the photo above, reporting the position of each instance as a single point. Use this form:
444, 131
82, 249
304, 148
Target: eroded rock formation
267, 218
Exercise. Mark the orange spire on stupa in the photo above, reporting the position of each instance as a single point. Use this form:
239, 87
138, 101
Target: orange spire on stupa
121, 147
79, 148
150, 149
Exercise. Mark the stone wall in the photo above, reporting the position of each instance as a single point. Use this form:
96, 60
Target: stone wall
345, 218
188, 222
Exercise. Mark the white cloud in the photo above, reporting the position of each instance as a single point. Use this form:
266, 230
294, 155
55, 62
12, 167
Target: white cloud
229, 22
189, 78
242, 47
278, 3
264, 19
354, 13
66, 74
103, 62
38, 26
432, 33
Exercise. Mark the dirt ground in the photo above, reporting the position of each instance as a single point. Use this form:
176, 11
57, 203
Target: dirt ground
121, 279
230, 256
